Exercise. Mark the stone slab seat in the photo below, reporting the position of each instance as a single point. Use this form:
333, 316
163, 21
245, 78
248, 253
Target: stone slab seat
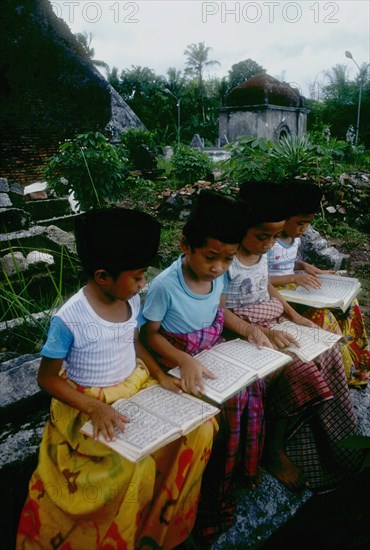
47, 208
38, 238
24, 408
261, 512
66, 223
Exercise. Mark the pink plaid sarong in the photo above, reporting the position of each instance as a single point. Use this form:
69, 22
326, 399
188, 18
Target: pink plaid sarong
264, 313
238, 445
193, 342
315, 398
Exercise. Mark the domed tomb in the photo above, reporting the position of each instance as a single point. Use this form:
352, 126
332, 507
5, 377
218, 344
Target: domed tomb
265, 89
262, 106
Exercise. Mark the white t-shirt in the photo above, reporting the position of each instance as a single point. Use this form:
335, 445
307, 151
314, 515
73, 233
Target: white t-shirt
248, 285
282, 257
96, 352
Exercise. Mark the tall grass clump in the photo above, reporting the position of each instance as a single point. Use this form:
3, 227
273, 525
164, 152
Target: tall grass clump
30, 298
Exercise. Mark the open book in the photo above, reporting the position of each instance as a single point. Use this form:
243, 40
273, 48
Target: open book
236, 363
313, 341
336, 292
157, 417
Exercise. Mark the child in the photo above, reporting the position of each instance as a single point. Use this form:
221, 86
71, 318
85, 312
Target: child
308, 403
183, 314
304, 200
83, 494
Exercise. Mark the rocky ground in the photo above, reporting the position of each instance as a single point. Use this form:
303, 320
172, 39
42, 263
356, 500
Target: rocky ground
271, 516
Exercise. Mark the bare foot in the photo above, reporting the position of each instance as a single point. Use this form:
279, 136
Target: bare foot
281, 467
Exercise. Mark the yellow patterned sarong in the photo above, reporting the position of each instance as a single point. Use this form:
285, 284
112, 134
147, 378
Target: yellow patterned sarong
354, 346
84, 496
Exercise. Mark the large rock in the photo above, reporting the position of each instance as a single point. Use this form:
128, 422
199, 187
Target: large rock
315, 250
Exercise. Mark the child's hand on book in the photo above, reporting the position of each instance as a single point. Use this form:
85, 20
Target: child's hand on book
255, 335
170, 383
313, 270
192, 372
306, 280
281, 339
104, 418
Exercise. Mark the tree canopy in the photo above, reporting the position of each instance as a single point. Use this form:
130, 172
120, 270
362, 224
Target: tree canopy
335, 105
85, 39
240, 72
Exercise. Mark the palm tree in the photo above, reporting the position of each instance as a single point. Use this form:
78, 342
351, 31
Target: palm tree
113, 77
197, 61
339, 86
85, 39
175, 81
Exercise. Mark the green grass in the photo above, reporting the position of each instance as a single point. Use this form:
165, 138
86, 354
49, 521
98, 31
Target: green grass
26, 293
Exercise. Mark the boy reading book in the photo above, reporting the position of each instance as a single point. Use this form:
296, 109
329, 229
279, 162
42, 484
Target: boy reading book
83, 494
184, 316
310, 400
286, 270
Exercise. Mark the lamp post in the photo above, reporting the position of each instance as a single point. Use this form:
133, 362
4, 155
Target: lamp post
350, 56
178, 113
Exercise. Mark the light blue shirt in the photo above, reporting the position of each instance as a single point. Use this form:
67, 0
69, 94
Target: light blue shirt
170, 301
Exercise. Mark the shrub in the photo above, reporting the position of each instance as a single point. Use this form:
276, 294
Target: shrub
132, 142
190, 165
250, 161
262, 159
89, 167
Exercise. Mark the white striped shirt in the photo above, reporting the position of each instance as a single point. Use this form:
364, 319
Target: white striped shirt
248, 284
282, 257
96, 352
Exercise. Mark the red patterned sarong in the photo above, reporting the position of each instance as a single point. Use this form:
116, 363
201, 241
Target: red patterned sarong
316, 399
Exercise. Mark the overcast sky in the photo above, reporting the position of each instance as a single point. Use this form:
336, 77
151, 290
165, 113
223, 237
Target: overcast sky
295, 41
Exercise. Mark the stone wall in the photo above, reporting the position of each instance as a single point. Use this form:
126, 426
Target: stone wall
266, 121
49, 90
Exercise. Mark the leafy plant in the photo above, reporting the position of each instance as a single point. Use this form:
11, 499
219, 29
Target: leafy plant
263, 159
132, 142
89, 167
190, 165
250, 161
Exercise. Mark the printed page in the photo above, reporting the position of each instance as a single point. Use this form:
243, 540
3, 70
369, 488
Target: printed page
142, 434
260, 361
312, 341
181, 410
236, 364
334, 291
149, 430
230, 377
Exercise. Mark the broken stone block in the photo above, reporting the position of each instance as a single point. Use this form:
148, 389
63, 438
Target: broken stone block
5, 201
4, 186
39, 259
13, 263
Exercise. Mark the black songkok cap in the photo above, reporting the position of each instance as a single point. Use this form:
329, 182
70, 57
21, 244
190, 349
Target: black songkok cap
268, 201
216, 216
116, 239
302, 197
